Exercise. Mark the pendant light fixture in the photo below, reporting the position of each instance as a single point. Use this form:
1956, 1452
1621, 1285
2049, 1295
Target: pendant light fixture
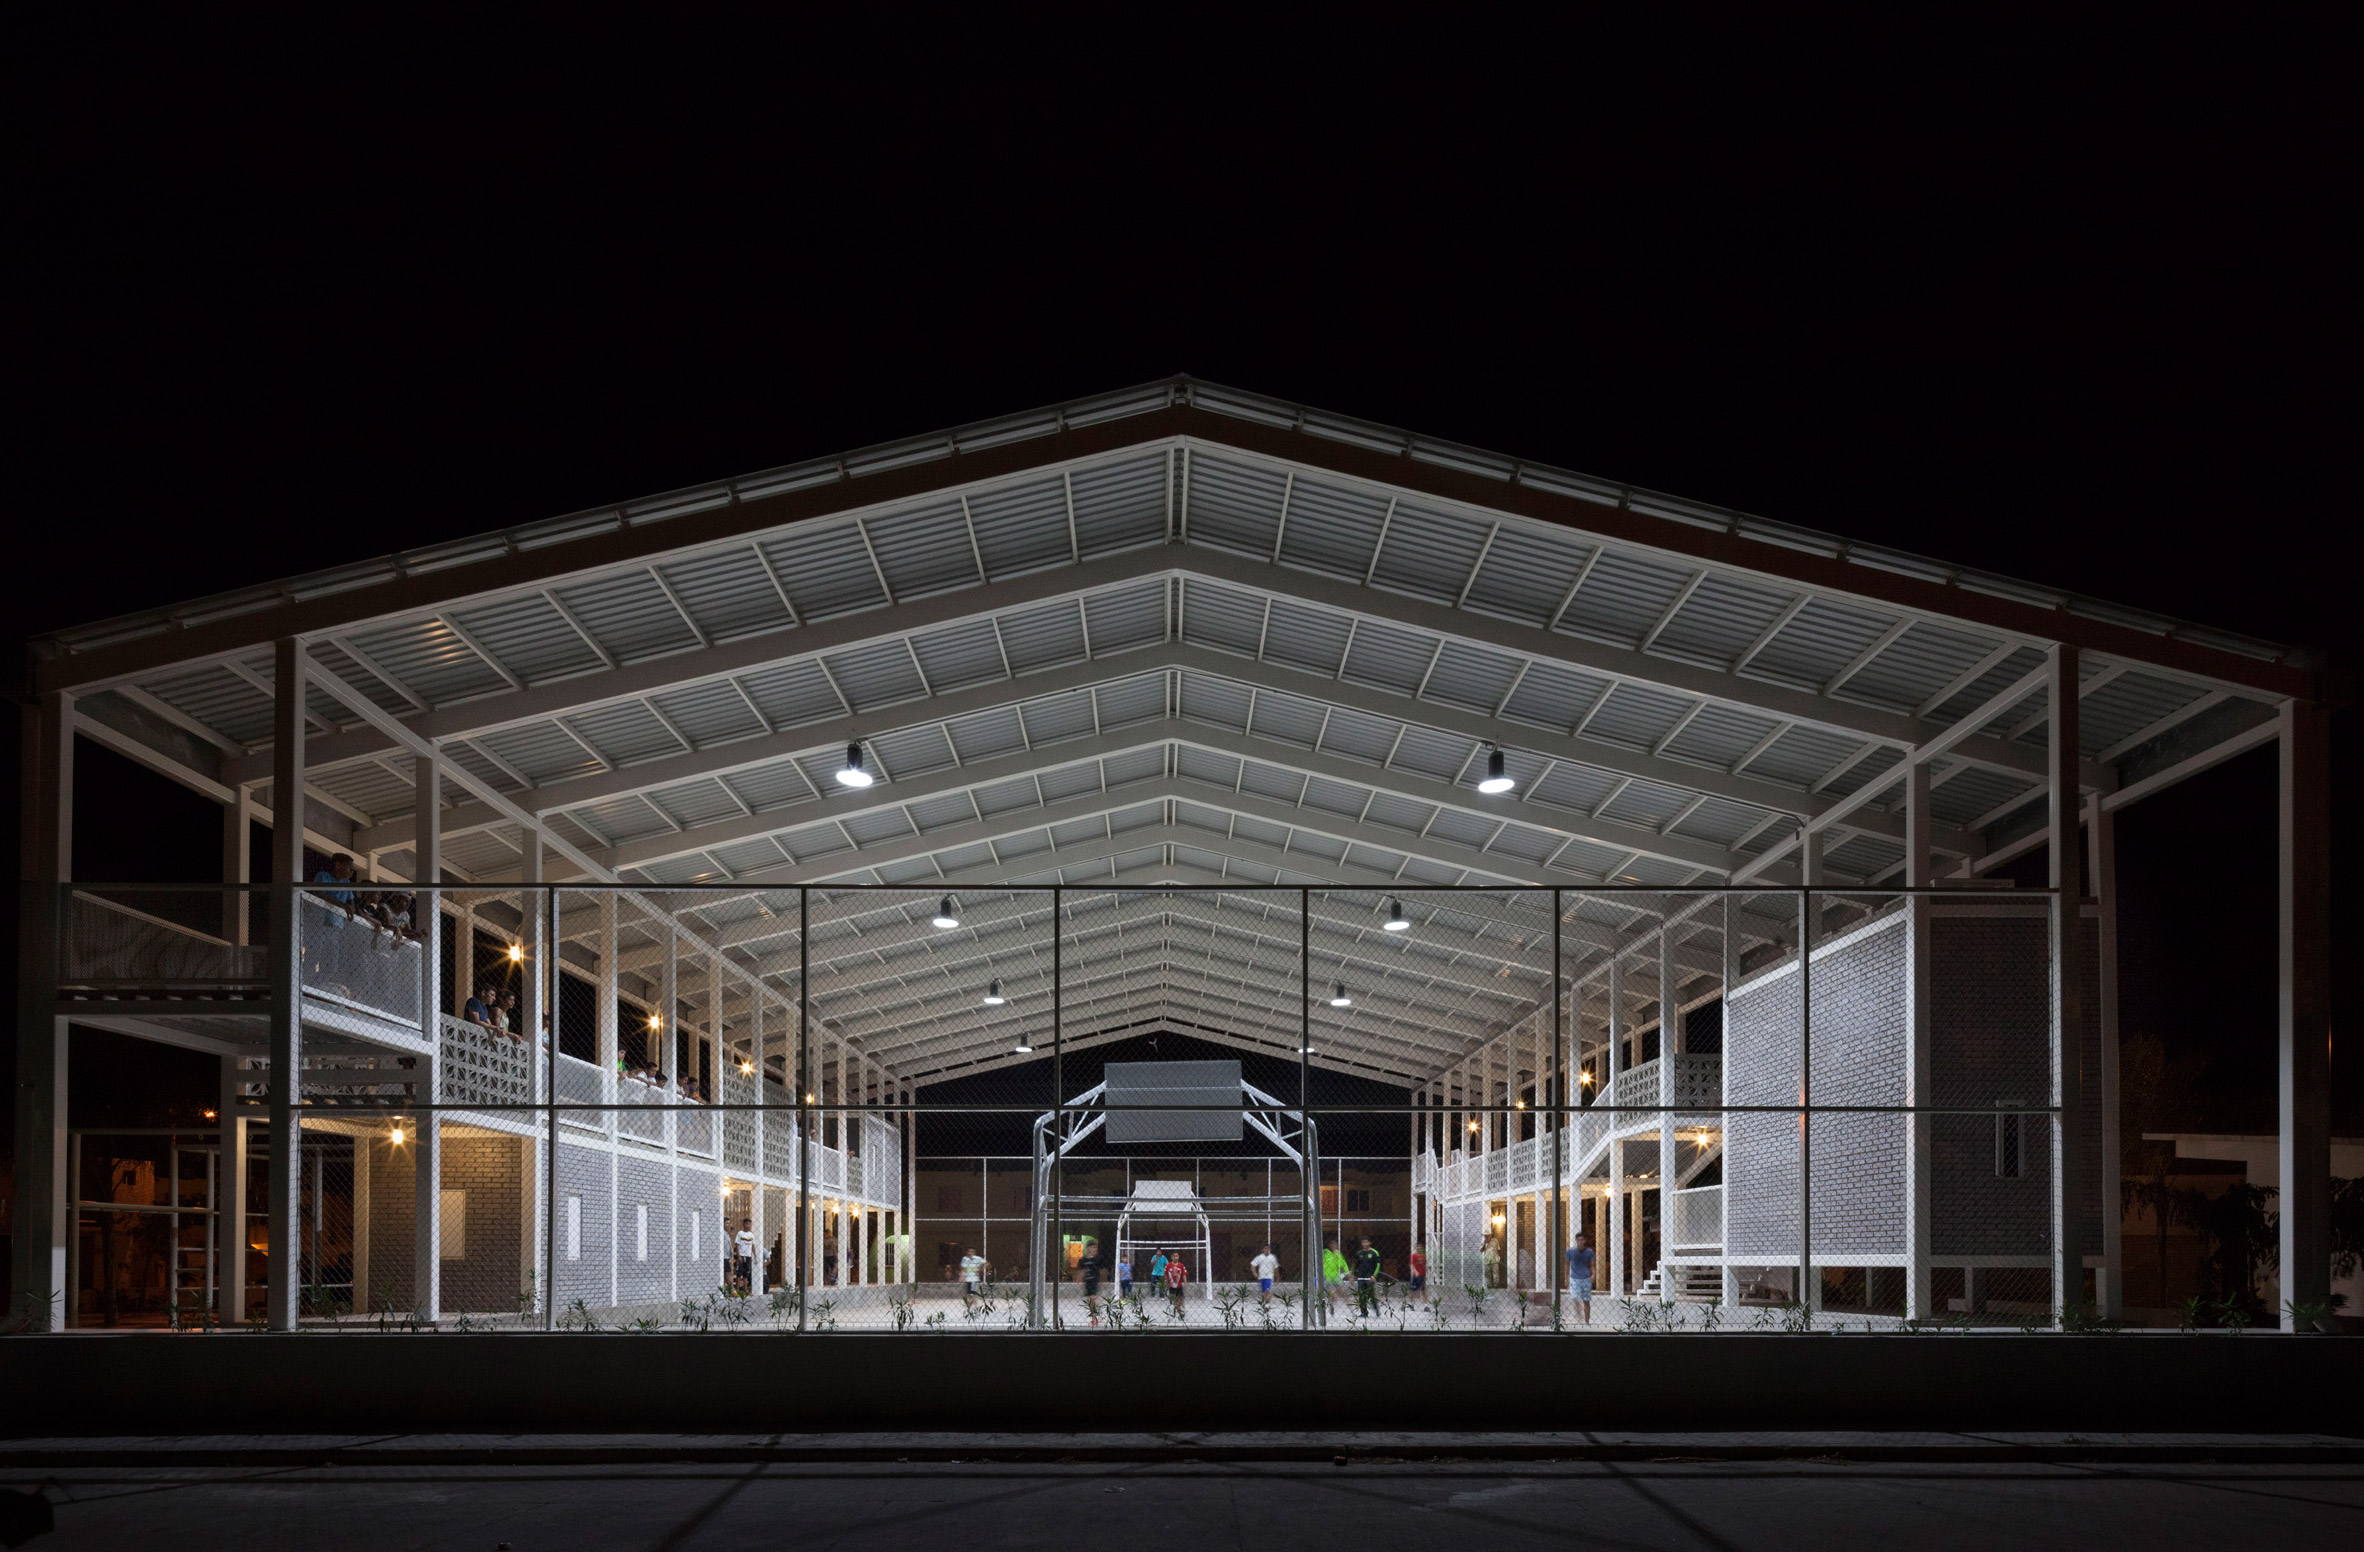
1338, 997
947, 914
1396, 920
1496, 779
853, 773
993, 996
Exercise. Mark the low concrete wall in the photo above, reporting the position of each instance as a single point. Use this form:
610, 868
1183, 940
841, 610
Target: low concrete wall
589, 1383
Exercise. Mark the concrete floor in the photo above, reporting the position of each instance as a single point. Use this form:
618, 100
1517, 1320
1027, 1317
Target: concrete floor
1670, 1502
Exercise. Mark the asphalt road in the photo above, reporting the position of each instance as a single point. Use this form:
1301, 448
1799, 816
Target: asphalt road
1369, 1504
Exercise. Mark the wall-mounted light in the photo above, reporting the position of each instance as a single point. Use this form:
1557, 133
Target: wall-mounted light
947, 914
1473, 1126
1396, 920
656, 1021
517, 953
852, 773
808, 1099
1338, 997
394, 1136
1518, 1104
745, 1065
993, 996
1496, 779
1585, 1077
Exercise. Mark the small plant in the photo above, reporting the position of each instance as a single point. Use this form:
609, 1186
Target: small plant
901, 1305
1711, 1314
2192, 1313
786, 1303
2083, 1317
2308, 1314
2235, 1315
646, 1324
1796, 1318
578, 1317
469, 1323
825, 1315
527, 1303
935, 1322
1227, 1304
1478, 1293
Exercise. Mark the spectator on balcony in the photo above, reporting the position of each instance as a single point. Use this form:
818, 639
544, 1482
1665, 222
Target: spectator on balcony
338, 871
392, 913
507, 1013
477, 1011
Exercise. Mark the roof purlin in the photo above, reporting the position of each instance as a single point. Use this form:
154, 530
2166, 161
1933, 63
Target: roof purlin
739, 518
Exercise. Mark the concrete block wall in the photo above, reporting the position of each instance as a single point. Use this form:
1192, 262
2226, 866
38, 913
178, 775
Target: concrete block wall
1991, 1041
584, 1274
489, 1274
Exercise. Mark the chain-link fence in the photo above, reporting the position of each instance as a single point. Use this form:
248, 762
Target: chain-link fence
1246, 1107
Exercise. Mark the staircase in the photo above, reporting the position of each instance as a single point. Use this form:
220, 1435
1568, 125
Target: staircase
1692, 1284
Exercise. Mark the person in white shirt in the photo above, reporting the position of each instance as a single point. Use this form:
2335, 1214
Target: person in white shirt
1266, 1266
972, 1272
743, 1258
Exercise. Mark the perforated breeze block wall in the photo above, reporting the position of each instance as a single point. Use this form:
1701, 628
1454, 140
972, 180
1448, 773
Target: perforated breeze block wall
1858, 1046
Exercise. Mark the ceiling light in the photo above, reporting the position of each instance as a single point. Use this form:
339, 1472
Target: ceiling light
1396, 920
1305, 1050
853, 775
1496, 779
993, 996
947, 917
1338, 997
1023, 1049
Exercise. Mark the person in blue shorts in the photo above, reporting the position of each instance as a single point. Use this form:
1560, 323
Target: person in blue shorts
1124, 1274
1580, 1277
1266, 1266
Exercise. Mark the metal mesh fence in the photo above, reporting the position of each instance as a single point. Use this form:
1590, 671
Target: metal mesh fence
843, 1108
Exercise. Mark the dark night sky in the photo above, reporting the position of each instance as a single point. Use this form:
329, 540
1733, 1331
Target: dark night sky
2072, 306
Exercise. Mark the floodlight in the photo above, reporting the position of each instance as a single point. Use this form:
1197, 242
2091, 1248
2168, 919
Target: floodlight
853, 774
1496, 779
947, 916
1396, 920
993, 996
1338, 997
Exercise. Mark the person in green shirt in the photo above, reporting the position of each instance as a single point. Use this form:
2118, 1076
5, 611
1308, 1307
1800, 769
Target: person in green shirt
1333, 1273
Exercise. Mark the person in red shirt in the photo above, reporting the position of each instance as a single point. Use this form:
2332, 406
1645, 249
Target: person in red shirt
1418, 1268
1177, 1274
